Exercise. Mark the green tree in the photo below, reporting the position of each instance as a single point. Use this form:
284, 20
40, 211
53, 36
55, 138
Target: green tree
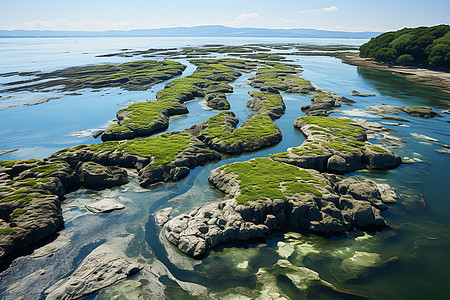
405, 59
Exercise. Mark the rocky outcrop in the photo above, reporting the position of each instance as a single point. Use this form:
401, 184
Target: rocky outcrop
267, 103
281, 78
219, 133
95, 176
356, 93
336, 145
420, 111
324, 103
416, 111
27, 219
217, 101
321, 203
101, 268
30, 209
194, 156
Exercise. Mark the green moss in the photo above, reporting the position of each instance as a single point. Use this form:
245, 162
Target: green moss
5, 190
131, 73
253, 129
280, 155
163, 148
47, 169
337, 127
7, 163
306, 151
377, 149
28, 161
418, 107
22, 197
209, 74
339, 146
19, 211
302, 188
261, 177
270, 100
7, 231
117, 127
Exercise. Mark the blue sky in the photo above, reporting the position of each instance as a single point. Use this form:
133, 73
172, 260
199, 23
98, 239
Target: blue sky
346, 15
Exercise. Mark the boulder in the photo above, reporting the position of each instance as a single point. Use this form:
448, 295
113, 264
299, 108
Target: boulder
96, 176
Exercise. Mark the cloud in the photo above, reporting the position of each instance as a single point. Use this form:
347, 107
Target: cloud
247, 17
331, 8
325, 9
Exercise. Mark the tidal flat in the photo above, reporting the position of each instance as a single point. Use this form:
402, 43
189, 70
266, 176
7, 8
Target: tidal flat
219, 169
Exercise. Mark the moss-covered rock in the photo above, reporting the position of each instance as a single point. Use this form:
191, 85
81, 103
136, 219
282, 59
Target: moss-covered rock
267, 103
269, 195
323, 103
145, 118
136, 75
280, 77
95, 176
337, 145
420, 111
219, 133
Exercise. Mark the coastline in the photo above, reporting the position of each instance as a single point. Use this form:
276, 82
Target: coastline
421, 76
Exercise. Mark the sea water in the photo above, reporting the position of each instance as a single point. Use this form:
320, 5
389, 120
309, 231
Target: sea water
415, 255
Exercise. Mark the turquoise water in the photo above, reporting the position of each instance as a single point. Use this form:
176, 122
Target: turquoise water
358, 263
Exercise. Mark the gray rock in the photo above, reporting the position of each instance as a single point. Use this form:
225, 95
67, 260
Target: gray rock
101, 268
96, 176
105, 206
354, 203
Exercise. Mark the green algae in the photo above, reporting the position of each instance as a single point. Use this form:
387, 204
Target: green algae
270, 100
47, 169
261, 177
162, 148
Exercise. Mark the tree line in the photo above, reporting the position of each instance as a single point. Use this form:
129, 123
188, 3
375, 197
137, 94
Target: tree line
421, 45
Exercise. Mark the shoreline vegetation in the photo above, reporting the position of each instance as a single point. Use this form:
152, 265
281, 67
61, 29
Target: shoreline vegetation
302, 188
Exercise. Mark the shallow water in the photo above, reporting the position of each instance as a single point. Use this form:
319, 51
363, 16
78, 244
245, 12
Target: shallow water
358, 263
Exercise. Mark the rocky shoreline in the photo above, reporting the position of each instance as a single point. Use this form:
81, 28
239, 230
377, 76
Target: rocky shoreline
320, 203
421, 76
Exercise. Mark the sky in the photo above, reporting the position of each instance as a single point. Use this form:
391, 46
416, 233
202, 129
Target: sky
340, 15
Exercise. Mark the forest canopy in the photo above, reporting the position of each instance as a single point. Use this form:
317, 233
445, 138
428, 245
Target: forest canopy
421, 45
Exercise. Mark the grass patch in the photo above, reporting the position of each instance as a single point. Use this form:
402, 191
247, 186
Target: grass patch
163, 148
28, 161
337, 127
47, 169
269, 100
377, 149
22, 197
7, 231
7, 163
261, 177
19, 211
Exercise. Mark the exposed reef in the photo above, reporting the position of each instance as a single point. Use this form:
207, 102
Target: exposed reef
267, 103
220, 133
278, 77
210, 80
324, 103
133, 76
268, 195
336, 145
30, 194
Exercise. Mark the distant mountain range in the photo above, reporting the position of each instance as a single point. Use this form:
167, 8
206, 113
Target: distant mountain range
196, 31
